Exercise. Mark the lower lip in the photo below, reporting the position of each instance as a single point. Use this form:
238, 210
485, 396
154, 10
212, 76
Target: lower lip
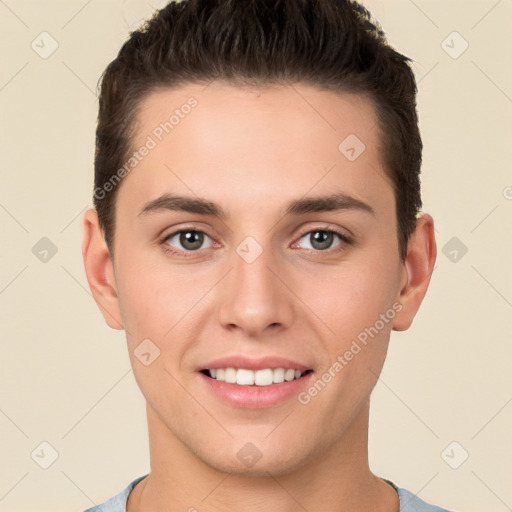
256, 397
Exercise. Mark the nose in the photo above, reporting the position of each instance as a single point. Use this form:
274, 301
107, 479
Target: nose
254, 297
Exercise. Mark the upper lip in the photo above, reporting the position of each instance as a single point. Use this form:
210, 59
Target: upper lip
260, 363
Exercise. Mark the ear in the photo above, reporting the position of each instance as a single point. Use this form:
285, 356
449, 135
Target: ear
418, 267
100, 270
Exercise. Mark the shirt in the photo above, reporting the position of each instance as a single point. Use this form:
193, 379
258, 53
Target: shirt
409, 502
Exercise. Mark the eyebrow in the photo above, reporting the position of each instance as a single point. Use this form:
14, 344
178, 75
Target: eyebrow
316, 204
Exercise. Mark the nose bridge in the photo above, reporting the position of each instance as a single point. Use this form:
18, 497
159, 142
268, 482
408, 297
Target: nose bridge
253, 298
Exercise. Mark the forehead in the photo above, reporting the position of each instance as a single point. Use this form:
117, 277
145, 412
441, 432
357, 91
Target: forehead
252, 143
298, 109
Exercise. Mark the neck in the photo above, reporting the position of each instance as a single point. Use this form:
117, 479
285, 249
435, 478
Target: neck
337, 479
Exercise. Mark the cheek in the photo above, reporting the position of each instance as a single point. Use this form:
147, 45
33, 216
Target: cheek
147, 298
139, 298
351, 299
157, 299
358, 308
155, 305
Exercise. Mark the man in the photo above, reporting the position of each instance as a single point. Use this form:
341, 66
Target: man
257, 234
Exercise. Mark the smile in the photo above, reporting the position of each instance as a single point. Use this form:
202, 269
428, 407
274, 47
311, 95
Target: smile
246, 377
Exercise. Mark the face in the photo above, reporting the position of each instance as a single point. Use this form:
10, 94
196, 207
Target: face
280, 280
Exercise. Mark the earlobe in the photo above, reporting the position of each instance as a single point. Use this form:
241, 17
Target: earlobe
418, 267
99, 270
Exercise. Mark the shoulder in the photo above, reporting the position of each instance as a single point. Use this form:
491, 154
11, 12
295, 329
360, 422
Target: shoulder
410, 502
118, 502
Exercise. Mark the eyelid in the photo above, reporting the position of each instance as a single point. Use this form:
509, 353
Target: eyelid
345, 236
345, 241
183, 229
168, 233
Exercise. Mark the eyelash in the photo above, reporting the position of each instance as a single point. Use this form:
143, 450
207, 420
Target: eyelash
346, 240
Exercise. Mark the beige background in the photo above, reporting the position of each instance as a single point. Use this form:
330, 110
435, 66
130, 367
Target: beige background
66, 377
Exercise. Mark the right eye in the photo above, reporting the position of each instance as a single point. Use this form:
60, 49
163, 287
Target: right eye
190, 240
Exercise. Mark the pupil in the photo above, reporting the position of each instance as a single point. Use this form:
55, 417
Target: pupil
322, 238
187, 240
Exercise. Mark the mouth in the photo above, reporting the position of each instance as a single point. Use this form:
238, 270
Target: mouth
255, 378
245, 382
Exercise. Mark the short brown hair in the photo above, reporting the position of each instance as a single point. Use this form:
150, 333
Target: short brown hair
330, 44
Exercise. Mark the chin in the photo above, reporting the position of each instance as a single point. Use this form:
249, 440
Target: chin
259, 464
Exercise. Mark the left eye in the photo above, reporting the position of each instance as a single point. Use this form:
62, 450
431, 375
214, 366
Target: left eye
321, 239
190, 240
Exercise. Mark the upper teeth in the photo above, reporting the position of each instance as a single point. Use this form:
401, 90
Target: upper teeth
245, 377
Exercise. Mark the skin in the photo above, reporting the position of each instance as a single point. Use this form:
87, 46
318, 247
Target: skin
252, 151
